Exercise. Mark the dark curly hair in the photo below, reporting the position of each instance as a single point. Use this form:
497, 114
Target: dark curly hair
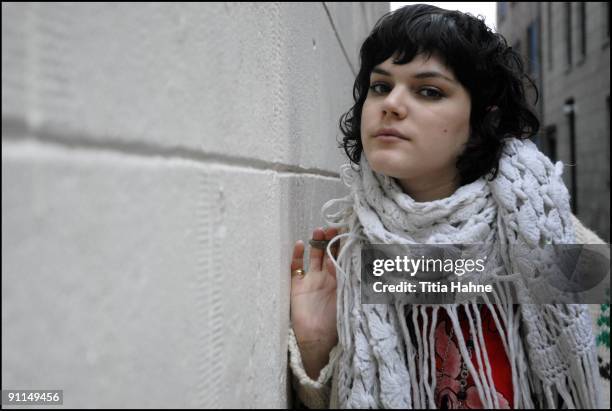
490, 70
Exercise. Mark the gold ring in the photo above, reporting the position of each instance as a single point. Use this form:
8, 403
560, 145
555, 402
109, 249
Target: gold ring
299, 272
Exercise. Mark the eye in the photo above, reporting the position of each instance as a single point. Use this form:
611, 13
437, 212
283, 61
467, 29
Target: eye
373, 87
436, 94
432, 93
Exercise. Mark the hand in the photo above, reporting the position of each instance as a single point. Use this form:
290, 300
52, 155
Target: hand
313, 297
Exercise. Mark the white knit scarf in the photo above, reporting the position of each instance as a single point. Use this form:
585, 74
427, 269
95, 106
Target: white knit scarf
550, 348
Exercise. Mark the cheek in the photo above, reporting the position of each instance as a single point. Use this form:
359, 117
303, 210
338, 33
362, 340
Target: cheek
366, 113
451, 136
443, 145
454, 138
366, 119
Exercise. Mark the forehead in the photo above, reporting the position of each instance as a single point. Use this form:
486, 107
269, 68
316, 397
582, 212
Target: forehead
419, 63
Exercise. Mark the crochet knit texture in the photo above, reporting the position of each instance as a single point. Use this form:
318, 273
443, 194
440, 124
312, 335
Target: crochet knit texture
551, 348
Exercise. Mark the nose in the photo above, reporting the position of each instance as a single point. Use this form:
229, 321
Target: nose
393, 104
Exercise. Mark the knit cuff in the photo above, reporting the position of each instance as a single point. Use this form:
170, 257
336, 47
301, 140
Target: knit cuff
313, 394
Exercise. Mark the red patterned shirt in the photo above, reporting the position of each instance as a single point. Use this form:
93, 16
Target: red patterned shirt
449, 393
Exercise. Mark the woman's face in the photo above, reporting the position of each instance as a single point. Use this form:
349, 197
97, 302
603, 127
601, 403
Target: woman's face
431, 112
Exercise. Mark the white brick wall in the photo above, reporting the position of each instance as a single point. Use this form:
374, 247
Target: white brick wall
158, 163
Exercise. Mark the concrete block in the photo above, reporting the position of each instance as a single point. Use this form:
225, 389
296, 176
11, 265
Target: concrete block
249, 80
353, 22
302, 198
145, 282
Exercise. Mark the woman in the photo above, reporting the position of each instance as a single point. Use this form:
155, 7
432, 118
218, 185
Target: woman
439, 137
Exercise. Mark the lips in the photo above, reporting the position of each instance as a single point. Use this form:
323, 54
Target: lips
390, 132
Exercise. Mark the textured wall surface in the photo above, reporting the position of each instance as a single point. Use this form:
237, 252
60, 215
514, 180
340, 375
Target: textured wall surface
158, 163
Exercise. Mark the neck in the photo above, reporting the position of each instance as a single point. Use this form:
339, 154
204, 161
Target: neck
429, 191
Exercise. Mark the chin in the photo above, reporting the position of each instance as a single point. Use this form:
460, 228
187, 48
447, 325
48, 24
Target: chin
387, 163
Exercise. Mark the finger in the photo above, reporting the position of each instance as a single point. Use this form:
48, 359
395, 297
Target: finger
297, 260
330, 267
329, 234
316, 254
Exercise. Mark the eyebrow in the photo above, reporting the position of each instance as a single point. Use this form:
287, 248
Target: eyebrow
423, 74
